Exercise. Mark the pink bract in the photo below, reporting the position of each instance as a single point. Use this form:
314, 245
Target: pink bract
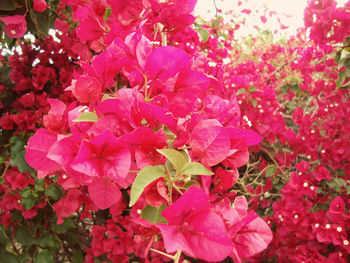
15, 26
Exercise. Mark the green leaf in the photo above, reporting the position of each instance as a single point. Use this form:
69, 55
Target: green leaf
18, 155
146, 176
153, 214
43, 21
72, 237
17, 144
339, 172
64, 227
339, 182
48, 240
241, 91
295, 89
270, 171
8, 257
19, 161
26, 192
106, 97
77, 257
28, 202
175, 157
39, 185
108, 12
87, 117
8, 5
204, 34
53, 192
195, 168
347, 63
189, 184
23, 236
44, 256
254, 102
252, 89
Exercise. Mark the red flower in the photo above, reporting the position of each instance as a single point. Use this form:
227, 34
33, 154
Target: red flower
15, 26
40, 5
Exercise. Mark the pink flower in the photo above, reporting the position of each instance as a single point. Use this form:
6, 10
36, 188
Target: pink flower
104, 156
194, 228
40, 5
15, 26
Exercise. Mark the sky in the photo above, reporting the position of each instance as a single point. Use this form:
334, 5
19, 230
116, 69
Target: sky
290, 12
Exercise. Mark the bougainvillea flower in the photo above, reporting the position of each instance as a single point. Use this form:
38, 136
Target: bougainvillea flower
154, 115
140, 46
225, 179
104, 156
15, 26
195, 229
68, 204
227, 112
210, 142
165, 62
144, 142
86, 88
336, 211
104, 192
240, 140
193, 81
54, 120
38, 148
156, 193
39, 5
249, 233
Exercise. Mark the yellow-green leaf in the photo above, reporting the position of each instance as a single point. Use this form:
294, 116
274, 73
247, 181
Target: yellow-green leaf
204, 34
153, 214
175, 157
195, 168
87, 117
146, 176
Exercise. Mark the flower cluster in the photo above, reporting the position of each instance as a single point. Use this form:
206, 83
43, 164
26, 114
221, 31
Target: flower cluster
141, 135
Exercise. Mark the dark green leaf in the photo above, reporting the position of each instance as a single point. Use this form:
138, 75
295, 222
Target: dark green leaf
64, 227
44, 256
8, 257
28, 202
48, 240
72, 237
8, 5
19, 161
339, 172
53, 192
153, 214
77, 257
39, 185
23, 236
43, 21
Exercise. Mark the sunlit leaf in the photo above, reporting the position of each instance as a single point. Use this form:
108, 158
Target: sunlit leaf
195, 168
146, 176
